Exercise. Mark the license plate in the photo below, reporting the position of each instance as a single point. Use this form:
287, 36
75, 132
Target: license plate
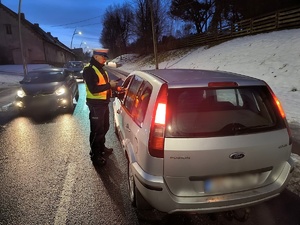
231, 183
40, 103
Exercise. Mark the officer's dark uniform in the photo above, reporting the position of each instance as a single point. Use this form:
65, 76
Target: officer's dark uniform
98, 92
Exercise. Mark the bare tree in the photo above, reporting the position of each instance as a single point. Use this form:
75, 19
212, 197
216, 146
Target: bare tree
117, 29
142, 23
195, 11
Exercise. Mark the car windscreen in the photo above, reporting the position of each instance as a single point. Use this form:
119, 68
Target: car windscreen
37, 77
74, 65
208, 112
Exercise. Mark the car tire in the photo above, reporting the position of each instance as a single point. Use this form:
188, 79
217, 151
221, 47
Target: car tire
135, 196
70, 106
141, 203
116, 130
77, 96
131, 186
21, 112
241, 215
145, 211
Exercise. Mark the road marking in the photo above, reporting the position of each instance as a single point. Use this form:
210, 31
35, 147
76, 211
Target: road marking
65, 198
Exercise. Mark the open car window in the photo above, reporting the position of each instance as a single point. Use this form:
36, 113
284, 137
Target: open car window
132, 92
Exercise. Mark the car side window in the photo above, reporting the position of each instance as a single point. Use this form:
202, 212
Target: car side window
125, 85
132, 92
141, 102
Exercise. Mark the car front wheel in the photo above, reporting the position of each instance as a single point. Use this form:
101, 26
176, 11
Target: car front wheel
77, 96
70, 105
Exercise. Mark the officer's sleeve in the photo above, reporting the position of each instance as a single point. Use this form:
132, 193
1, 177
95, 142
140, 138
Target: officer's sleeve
91, 80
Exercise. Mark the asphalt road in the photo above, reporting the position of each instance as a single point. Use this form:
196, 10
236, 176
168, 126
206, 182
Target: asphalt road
47, 178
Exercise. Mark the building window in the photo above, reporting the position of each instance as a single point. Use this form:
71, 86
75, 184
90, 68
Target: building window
8, 29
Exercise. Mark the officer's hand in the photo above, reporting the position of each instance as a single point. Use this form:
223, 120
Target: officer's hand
121, 89
113, 83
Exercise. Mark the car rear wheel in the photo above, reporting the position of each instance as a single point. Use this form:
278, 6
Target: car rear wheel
131, 186
143, 209
136, 198
116, 130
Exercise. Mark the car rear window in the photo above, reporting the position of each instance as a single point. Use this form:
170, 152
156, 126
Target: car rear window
208, 112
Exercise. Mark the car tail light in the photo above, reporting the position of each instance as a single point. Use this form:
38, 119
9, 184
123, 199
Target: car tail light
157, 131
282, 113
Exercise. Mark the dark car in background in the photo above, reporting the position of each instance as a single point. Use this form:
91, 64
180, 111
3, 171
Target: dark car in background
47, 90
76, 69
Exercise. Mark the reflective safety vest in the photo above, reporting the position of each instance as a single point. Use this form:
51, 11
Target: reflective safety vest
101, 95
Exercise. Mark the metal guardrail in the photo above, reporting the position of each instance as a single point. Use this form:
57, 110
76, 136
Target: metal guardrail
119, 73
279, 20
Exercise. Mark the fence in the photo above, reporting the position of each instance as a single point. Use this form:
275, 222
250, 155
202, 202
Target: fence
279, 20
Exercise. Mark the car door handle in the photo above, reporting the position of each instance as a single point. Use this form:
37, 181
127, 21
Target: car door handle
127, 127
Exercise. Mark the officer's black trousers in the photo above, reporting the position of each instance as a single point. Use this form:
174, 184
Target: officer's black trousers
99, 125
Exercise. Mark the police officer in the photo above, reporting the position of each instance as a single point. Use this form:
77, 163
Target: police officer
98, 93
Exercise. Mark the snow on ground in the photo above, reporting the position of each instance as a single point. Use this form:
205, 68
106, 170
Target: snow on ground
12, 74
273, 57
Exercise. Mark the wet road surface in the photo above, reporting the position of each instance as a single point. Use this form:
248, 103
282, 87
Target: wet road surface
47, 178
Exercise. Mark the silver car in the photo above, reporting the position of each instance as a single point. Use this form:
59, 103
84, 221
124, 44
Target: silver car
202, 141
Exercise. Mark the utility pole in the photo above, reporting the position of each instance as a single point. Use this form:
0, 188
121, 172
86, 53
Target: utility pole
21, 41
153, 35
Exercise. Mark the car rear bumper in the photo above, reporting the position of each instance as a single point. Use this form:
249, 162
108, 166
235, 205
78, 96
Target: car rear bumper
155, 191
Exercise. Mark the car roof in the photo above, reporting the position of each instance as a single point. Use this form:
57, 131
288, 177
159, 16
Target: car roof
196, 77
50, 69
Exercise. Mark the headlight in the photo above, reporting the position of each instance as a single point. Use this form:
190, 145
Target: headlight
61, 90
21, 93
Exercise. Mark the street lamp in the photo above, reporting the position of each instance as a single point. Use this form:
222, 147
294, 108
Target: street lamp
82, 43
75, 32
87, 48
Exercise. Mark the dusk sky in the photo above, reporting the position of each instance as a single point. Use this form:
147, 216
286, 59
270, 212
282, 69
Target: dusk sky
62, 17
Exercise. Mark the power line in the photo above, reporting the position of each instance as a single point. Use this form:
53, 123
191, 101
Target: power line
61, 25
90, 24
